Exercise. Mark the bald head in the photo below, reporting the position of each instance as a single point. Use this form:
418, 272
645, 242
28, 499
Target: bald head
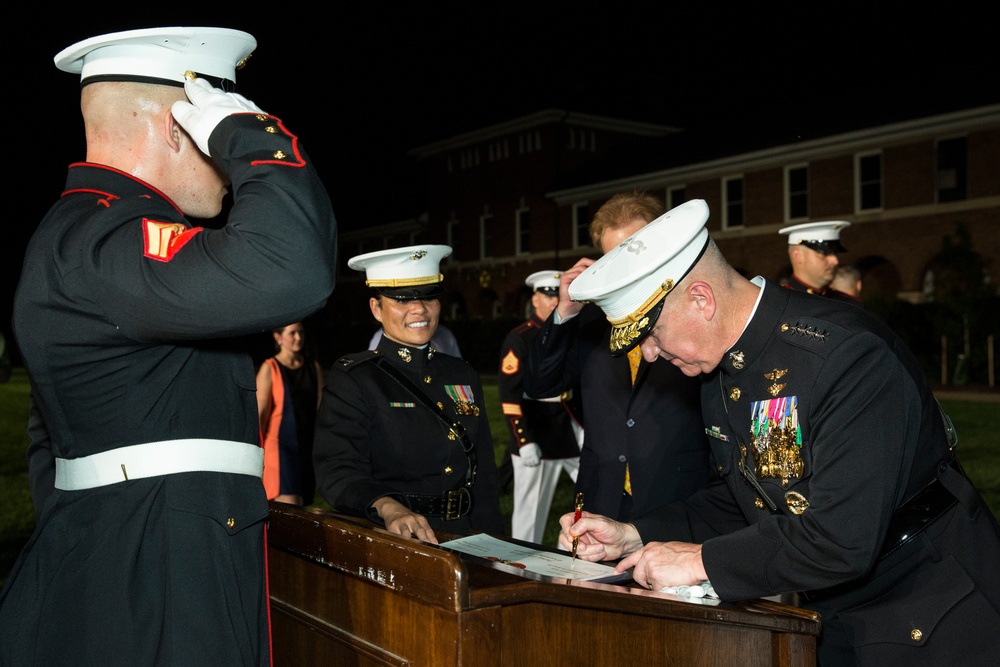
121, 118
702, 316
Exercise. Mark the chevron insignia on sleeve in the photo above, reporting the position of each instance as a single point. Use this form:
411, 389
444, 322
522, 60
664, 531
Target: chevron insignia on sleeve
510, 364
162, 240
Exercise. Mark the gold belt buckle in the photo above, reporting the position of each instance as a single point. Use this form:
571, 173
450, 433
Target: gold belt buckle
457, 503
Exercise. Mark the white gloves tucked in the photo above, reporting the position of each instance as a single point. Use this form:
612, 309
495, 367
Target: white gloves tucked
531, 454
208, 107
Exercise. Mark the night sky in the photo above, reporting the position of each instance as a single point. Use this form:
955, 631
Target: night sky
362, 85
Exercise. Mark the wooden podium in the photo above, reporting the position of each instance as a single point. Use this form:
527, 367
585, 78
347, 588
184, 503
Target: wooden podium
344, 592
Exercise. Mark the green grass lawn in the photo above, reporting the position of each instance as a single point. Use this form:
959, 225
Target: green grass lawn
977, 424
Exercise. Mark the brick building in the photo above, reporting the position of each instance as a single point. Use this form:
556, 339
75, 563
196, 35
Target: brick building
517, 197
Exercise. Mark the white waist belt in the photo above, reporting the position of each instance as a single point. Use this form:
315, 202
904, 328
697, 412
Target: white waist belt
153, 459
565, 396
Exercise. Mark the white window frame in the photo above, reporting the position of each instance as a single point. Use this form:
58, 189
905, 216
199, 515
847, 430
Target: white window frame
726, 204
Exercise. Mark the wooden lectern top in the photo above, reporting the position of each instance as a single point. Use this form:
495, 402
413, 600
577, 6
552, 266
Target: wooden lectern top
346, 592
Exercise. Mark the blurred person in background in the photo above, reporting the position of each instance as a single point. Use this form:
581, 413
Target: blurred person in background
546, 433
288, 394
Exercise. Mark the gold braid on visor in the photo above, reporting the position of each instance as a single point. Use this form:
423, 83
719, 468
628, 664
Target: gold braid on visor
405, 282
627, 329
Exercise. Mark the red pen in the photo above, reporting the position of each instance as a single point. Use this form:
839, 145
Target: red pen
576, 517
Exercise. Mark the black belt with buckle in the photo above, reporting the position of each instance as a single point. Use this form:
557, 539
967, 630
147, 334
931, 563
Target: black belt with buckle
917, 513
450, 505
909, 519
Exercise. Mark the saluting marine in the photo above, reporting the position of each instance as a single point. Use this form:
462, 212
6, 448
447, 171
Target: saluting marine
145, 460
402, 435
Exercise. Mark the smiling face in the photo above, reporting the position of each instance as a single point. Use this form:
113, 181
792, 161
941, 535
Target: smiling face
290, 338
410, 322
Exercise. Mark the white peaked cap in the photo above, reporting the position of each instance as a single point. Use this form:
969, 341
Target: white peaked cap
159, 55
821, 236
544, 281
403, 273
630, 282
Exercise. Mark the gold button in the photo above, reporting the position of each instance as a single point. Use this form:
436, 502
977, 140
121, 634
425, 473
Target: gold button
524, 440
916, 635
784, 327
262, 116
448, 470
279, 155
427, 379
230, 522
758, 503
734, 393
718, 469
271, 129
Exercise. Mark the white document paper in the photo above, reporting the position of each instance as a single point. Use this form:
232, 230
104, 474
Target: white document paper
538, 561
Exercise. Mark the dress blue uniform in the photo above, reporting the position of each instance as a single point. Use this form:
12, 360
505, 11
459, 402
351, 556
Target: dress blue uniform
832, 421
374, 438
839, 478
128, 319
404, 421
553, 423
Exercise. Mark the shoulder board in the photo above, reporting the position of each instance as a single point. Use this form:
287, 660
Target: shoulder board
351, 361
809, 332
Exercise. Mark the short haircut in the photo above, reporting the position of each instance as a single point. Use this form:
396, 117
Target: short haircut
621, 210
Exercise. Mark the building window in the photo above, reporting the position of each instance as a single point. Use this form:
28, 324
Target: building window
796, 192
522, 229
486, 236
676, 196
732, 198
952, 170
868, 188
581, 225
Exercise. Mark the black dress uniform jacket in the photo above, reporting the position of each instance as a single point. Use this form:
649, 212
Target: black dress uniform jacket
548, 424
374, 438
126, 316
827, 410
654, 425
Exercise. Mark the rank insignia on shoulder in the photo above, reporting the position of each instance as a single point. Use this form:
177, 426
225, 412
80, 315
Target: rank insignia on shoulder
162, 240
716, 432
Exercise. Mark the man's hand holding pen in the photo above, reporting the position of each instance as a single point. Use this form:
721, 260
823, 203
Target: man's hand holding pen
597, 537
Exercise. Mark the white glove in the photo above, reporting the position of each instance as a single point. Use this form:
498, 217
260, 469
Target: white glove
207, 108
531, 454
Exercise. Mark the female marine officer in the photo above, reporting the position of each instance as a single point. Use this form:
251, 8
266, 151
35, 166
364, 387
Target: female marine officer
402, 436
